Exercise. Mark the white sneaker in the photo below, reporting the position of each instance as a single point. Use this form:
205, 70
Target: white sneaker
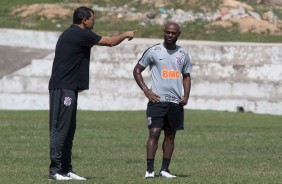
59, 177
75, 176
149, 175
166, 174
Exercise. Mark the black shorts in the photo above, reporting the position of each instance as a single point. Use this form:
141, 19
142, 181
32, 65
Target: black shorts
165, 115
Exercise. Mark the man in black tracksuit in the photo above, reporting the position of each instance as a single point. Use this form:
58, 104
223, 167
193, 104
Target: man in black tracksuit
70, 74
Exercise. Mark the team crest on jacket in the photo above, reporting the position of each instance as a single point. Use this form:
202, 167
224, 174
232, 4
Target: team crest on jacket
67, 101
179, 61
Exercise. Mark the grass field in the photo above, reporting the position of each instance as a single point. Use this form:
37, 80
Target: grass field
109, 147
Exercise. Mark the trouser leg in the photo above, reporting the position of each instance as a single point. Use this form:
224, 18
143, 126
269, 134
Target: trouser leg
67, 151
63, 104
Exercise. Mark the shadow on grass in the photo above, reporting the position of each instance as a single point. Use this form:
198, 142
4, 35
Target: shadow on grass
177, 175
183, 175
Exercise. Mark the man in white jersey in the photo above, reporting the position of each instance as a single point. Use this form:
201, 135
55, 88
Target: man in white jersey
171, 83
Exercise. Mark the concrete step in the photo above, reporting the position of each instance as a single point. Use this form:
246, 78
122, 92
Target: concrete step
242, 89
23, 85
86, 101
235, 72
225, 76
234, 53
124, 87
37, 68
125, 52
122, 70
261, 106
13, 59
211, 71
116, 66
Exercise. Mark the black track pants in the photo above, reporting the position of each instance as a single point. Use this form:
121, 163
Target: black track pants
62, 125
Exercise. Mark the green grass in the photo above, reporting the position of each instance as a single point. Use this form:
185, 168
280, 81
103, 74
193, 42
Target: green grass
109, 147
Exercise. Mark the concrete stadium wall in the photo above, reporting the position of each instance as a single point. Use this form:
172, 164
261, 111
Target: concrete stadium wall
225, 76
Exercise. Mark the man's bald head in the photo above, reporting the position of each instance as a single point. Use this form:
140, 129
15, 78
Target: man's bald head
172, 24
171, 34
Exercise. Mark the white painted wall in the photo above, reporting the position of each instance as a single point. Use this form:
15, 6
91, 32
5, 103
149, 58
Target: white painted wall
225, 76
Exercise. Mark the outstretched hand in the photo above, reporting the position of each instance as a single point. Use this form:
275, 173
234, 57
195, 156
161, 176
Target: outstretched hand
130, 34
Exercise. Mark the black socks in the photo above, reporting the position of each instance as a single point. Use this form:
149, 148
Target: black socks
165, 164
150, 165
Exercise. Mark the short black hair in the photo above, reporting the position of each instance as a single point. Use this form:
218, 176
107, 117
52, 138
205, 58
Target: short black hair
80, 13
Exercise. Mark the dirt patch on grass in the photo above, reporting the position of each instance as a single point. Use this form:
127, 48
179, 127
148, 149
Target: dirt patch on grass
246, 22
249, 24
49, 11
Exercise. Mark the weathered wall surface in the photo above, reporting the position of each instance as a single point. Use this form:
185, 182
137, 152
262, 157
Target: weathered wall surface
225, 76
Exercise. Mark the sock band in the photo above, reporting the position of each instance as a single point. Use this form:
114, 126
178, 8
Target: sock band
150, 165
165, 164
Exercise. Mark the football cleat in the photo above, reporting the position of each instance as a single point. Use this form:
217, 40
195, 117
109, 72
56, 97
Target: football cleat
74, 176
149, 174
59, 177
166, 174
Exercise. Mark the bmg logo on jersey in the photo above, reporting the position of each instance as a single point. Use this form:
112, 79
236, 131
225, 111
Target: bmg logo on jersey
67, 101
170, 74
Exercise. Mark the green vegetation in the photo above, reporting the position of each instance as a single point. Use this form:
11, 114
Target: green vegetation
198, 30
109, 147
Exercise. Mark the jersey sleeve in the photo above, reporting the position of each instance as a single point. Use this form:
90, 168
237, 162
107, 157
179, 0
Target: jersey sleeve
187, 64
90, 38
146, 60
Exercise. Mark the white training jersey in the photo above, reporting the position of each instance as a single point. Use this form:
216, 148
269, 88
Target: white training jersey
167, 67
